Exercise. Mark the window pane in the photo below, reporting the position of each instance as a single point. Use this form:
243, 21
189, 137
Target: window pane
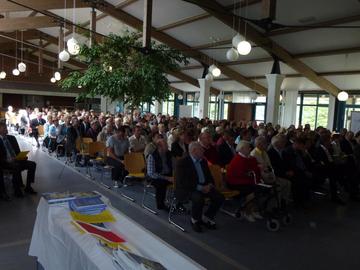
171, 108
308, 116
322, 117
189, 97
298, 100
297, 115
261, 99
324, 99
228, 97
260, 112
212, 111
310, 100
226, 109
348, 111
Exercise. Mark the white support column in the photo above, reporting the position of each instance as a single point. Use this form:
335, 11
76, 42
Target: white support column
273, 99
331, 112
106, 105
204, 98
158, 107
289, 114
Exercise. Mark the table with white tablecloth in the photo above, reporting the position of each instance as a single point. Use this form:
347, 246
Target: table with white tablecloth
58, 244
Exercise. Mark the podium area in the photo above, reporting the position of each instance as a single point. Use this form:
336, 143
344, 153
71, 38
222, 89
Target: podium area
306, 244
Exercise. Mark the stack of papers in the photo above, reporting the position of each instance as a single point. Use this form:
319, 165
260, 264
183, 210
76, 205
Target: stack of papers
60, 197
87, 206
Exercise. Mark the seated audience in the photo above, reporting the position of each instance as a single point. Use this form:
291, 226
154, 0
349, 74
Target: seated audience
105, 133
210, 152
243, 174
137, 141
117, 146
267, 171
301, 179
159, 171
9, 148
226, 149
194, 181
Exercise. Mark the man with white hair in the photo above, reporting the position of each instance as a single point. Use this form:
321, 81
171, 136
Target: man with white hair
194, 181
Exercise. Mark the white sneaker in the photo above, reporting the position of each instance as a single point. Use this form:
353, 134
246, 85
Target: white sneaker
257, 215
249, 217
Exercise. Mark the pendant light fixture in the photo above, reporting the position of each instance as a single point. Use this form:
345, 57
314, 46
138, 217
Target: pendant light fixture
64, 55
15, 71
22, 65
232, 54
343, 96
72, 44
2, 73
57, 76
53, 80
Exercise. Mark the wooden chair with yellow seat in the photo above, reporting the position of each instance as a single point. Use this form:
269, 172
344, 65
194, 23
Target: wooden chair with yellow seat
218, 174
82, 145
96, 154
135, 165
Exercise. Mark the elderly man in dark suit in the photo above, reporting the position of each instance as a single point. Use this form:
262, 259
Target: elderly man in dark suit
194, 181
9, 148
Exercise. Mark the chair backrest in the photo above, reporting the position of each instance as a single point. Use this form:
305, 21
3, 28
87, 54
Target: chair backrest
41, 130
97, 148
134, 162
82, 144
217, 174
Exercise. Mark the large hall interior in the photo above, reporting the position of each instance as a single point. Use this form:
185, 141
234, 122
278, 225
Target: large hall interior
179, 134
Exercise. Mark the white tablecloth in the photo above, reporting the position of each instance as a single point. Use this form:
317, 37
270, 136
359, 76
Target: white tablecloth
58, 245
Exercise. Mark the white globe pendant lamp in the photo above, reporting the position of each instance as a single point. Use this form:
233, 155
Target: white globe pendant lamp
209, 77
53, 80
15, 72
2, 75
343, 96
215, 71
244, 47
64, 56
180, 97
73, 46
57, 76
236, 40
232, 54
22, 67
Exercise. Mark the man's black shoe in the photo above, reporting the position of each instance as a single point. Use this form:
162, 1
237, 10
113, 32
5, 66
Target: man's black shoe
30, 190
196, 226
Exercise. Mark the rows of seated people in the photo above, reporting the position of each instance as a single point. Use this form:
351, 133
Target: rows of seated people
297, 161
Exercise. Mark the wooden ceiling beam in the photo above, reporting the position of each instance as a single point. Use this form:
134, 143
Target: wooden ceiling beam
176, 44
252, 34
188, 79
7, 6
23, 23
337, 21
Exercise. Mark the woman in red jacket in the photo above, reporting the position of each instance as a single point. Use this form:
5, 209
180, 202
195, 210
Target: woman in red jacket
243, 173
